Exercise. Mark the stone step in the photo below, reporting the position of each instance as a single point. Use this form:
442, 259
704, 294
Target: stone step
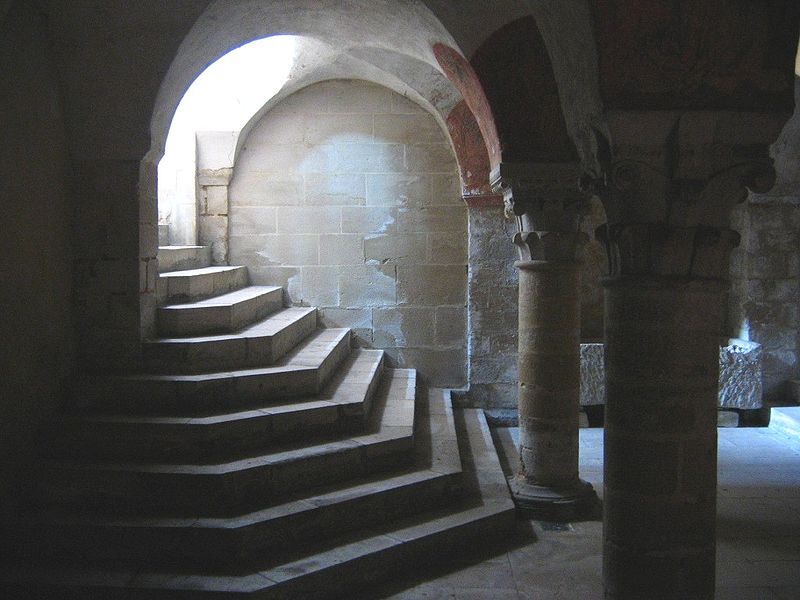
275, 533
244, 484
259, 344
302, 372
341, 407
222, 314
176, 258
344, 567
194, 284
786, 421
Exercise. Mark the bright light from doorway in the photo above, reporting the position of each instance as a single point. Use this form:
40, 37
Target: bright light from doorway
223, 98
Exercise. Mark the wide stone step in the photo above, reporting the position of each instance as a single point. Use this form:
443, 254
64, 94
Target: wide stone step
341, 407
276, 533
225, 313
259, 344
349, 564
193, 284
225, 488
176, 258
302, 372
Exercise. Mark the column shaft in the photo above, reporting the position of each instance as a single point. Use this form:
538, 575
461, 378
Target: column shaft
549, 390
662, 363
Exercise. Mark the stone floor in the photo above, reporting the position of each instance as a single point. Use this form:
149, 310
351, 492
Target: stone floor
758, 549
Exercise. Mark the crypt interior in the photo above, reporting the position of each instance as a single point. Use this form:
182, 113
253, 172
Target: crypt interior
400, 299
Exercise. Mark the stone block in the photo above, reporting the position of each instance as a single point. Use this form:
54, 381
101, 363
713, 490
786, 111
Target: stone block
366, 158
429, 219
279, 128
341, 249
320, 286
216, 199
403, 327
494, 369
398, 189
323, 189
256, 188
396, 249
447, 248
338, 128
354, 318
367, 286
269, 249
451, 326
252, 220
213, 231
408, 128
368, 219
593, 381
430, 158
308, 219
214, 176
440, 368
740, 374
432, 285
289, 278
445, 190
727, 418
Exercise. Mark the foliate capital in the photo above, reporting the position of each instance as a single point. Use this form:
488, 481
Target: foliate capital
544, 196
658, 250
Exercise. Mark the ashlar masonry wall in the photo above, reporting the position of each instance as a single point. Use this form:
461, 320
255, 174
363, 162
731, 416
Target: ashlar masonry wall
347, 194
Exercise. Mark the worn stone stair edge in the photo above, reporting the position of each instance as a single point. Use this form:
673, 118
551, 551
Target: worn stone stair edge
198, 283
341, 406
303, 372
366, 561
259, 344
222, 313
227, 487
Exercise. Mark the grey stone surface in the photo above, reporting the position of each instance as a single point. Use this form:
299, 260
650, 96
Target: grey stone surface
740, 374
593, 383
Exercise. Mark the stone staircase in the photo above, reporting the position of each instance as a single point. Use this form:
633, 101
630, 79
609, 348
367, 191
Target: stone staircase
254, 456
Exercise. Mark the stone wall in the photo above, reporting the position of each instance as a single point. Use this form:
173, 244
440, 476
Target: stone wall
347, 194
37, 350
765, 287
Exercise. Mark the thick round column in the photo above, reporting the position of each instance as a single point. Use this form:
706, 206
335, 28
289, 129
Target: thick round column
547, 481
662, 370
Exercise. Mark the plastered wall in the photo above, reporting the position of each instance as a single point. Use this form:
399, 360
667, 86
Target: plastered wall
347, 194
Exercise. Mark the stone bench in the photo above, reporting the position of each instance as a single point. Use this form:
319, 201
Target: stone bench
739, 374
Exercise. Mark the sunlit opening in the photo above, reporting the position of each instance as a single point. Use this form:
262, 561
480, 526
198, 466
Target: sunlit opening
223, 98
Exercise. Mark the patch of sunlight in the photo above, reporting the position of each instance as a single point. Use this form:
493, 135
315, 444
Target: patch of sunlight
223, 98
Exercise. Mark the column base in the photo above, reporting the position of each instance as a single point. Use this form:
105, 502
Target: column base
570, 503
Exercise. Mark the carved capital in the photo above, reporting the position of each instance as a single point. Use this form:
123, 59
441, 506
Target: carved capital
658, 250
681, 170
550, 246
542, 196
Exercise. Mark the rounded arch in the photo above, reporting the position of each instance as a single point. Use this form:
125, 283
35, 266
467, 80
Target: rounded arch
388, 42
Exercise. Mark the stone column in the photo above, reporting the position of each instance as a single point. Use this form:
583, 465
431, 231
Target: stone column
668, 246
665, 306
547, 205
